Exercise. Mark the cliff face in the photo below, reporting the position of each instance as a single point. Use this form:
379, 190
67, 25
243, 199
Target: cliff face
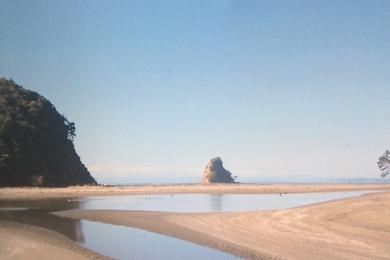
216, 173
36, 142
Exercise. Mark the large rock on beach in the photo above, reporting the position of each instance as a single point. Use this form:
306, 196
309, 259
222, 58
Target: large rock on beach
216, 173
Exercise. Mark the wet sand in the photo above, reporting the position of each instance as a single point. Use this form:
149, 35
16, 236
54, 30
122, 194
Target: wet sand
18, 241
356, 228
82, 191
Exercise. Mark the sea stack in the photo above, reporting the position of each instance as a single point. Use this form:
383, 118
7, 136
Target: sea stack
215, 173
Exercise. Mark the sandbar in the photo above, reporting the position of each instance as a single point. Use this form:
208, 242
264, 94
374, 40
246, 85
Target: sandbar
26, 193
354, 228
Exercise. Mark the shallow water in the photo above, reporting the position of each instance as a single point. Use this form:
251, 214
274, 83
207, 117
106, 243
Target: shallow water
115, 241
12, 209
131, 243
128, 243
212, 202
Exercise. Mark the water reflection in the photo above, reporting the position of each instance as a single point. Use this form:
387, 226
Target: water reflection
212, 202
118, 242
129, 243
38, 214
216, 202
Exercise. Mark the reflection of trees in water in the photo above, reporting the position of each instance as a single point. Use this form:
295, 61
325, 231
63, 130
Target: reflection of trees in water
216, 202
38, 214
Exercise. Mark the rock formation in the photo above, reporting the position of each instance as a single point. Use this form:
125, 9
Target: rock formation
36, 142
215, 173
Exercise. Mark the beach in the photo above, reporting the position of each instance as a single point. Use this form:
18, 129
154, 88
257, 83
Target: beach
218, 129
357, 228
83, 191
18, 241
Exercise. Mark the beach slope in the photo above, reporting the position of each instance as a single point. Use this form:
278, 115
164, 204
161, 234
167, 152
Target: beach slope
18, 241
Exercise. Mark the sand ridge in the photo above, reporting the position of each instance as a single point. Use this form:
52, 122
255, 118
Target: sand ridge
82, 191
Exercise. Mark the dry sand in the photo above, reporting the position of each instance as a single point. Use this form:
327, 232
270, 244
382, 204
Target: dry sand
18, 241
82, 191
357, 228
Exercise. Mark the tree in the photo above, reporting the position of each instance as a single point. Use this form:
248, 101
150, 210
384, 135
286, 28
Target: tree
384, 163
70, 129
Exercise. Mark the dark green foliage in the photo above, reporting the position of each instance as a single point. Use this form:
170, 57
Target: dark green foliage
36, 142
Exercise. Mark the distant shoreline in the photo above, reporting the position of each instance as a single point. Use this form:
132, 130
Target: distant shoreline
32, 193
265, 181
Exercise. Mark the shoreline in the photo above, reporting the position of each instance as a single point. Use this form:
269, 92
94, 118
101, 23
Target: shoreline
158, 222
28, 193
20, 241
355, 228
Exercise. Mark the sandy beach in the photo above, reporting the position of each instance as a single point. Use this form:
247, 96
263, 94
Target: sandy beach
357, 228
83, 191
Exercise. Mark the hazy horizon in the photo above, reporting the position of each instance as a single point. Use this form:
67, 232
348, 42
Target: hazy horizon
280, 90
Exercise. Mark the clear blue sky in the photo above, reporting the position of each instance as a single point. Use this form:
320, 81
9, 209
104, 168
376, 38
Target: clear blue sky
280, 90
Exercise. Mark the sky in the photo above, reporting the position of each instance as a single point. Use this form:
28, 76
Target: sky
280, 90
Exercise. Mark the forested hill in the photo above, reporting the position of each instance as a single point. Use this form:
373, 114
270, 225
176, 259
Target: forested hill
36, 142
